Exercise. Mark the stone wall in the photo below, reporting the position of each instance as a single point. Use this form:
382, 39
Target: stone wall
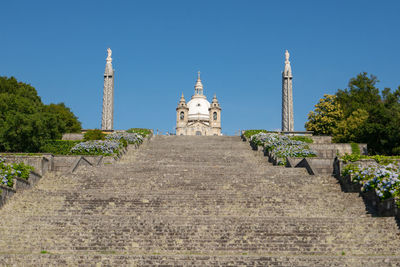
20, 184
40, 163
72, 136
331, 149
321, 139
48, 162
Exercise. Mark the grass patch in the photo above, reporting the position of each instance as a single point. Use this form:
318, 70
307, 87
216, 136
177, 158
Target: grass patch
44, 252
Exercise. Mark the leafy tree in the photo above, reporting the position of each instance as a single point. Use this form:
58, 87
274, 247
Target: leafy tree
361, 93
25, 123
68, 120
326, 116
348, 130
368, 116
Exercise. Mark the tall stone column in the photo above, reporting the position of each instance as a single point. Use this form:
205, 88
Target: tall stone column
107, 122
287, 97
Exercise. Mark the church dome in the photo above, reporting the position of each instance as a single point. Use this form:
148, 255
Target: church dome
198, 108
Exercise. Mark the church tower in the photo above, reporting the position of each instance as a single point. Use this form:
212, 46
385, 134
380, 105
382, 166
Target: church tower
181, 116
107, 122
215, 116
287, 97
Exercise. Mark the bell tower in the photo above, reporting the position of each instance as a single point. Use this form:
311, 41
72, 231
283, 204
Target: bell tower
215, 116
181, 116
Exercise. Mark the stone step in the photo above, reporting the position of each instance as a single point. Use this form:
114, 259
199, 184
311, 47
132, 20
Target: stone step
155, 258
188, 201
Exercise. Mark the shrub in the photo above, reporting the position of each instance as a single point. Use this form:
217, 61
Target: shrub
396, 151
9, 171
350, 169
250, 133
304, 139
281, 145
384, 160
143, 132
383, 179
130, 138
58, 147
97, 147
95, 134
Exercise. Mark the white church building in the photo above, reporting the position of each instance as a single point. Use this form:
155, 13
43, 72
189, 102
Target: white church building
198, 116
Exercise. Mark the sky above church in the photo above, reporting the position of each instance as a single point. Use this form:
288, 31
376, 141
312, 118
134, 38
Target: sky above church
59, 47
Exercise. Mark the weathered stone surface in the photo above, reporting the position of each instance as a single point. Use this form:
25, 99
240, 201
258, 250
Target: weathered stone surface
198, 201
107, 121
72, 136
287, 97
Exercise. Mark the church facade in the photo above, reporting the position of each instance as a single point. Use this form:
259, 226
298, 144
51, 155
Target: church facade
198, 116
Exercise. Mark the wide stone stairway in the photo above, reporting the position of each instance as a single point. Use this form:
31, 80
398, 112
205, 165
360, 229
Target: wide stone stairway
198, 201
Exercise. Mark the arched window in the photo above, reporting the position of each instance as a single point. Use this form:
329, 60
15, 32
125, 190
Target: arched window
215, 115
182, 115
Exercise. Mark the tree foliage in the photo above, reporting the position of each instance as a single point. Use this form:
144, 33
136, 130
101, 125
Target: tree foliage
348, 130
369, 116
25, 122
70, 123
326, 116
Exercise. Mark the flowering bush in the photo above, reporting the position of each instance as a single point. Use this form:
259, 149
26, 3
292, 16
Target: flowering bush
350, 169
9, 171
143, 132
97, 147
281, 145
250, 133
384, 179
130, 138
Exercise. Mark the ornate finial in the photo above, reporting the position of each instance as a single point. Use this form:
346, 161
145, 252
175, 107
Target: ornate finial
198, 75
109, 52
287, 55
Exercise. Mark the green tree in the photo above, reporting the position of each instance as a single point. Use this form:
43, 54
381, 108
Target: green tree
368, 116
348, 130
361, 93
68, 121
326, 116
25, 123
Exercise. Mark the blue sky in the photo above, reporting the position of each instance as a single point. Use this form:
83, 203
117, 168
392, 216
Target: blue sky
158, 46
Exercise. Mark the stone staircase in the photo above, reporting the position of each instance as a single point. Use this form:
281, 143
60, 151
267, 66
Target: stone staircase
193, 201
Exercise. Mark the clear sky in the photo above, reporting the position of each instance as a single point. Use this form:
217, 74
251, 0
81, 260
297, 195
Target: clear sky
158, 46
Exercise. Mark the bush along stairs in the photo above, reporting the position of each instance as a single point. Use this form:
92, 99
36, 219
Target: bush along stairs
193, 201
